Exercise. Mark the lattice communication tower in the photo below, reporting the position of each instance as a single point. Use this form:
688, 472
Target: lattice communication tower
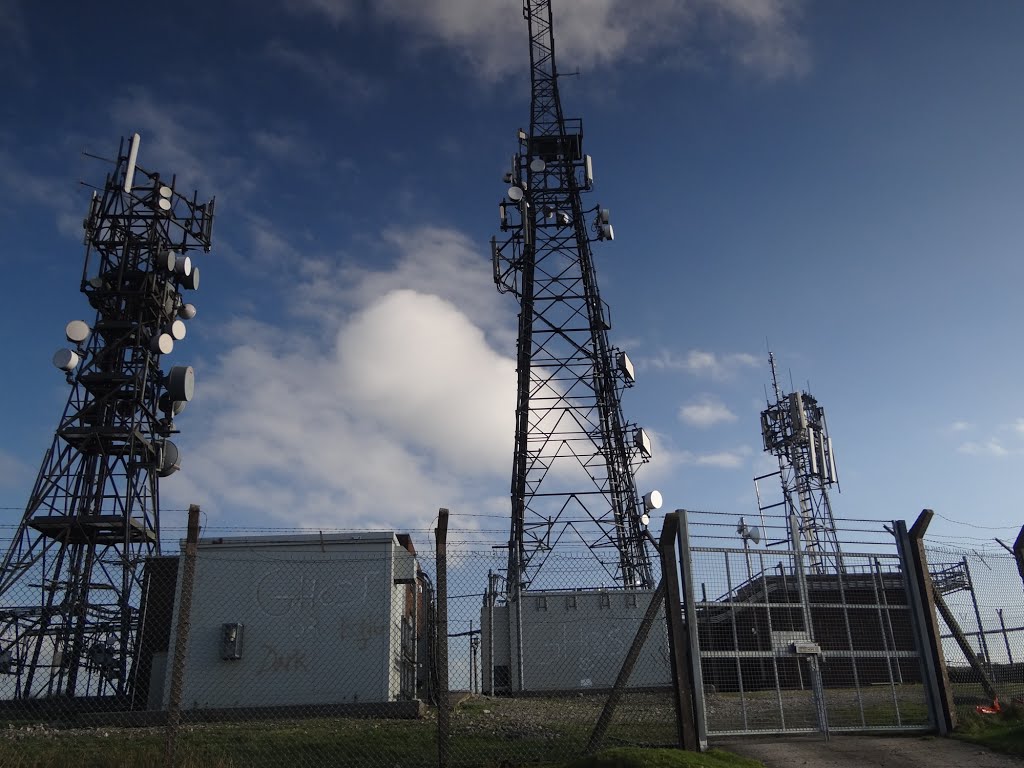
575, 454
794, 430
71, 582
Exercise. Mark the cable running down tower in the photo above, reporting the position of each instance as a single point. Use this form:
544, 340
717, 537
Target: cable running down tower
71, 582
575, 454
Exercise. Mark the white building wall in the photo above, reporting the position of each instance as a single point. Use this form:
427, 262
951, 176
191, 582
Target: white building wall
320, 619
578, 640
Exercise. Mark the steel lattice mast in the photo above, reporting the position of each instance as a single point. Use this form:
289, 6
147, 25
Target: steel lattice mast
70, 584
575, 455
794, 430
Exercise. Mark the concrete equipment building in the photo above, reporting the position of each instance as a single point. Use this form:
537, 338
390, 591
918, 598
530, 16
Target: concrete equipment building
571, 640
287, 621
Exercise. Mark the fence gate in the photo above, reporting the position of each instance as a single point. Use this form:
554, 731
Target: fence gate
795, 642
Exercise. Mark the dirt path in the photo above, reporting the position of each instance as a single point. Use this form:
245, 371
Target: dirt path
845, 751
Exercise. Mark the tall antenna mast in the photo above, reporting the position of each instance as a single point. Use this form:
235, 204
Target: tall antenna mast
794, 430
71, 582
575, 455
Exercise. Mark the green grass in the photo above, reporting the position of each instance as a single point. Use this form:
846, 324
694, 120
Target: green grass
330, 742
1003, 732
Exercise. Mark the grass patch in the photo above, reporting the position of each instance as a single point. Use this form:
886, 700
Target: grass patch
486, 732
1003, 732
334, 742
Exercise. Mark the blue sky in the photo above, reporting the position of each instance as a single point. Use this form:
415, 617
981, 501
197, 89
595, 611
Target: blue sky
841, 180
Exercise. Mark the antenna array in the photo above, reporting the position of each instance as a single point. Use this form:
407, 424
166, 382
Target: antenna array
71, 582
794, 430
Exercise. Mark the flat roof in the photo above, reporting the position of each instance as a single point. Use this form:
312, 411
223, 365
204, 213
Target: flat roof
277, 540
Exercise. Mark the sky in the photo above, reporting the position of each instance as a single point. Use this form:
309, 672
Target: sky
839, 182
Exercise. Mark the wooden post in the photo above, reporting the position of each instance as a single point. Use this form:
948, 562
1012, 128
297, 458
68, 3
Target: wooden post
932, 655
678, 639
605, 719
181, 636
441, 635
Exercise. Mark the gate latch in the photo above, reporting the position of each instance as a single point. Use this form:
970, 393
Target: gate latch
806, 649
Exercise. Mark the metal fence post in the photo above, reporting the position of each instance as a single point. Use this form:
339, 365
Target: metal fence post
678, 640
817, 688
441, 634
921, 596
181, 636
690, 609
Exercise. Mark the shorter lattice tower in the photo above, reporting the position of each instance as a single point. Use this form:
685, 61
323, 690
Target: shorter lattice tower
71, 582
794, 430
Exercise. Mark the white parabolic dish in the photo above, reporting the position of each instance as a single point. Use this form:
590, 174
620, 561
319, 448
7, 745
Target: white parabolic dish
76, 331
181, 383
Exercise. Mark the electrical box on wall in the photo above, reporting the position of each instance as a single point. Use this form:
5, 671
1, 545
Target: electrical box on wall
231, 641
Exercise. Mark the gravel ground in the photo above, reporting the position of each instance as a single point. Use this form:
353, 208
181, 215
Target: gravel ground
845, 751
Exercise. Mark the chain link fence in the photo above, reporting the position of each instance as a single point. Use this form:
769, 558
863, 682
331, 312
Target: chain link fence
979, 600
355, 649
333, 649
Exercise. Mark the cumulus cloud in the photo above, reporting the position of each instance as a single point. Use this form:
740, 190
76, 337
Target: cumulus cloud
959, 426
392, 405
761, 36
706, 411
701, 363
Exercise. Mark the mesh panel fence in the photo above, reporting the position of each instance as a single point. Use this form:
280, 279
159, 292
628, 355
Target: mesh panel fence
795, 640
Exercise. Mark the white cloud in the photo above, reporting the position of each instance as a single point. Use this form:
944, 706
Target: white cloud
705, 412
1018, 426
992, 448
722, 459
758, 35
281, 145
393, 405
418, 365
701, 363
959, 426
761, 35
666, 460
